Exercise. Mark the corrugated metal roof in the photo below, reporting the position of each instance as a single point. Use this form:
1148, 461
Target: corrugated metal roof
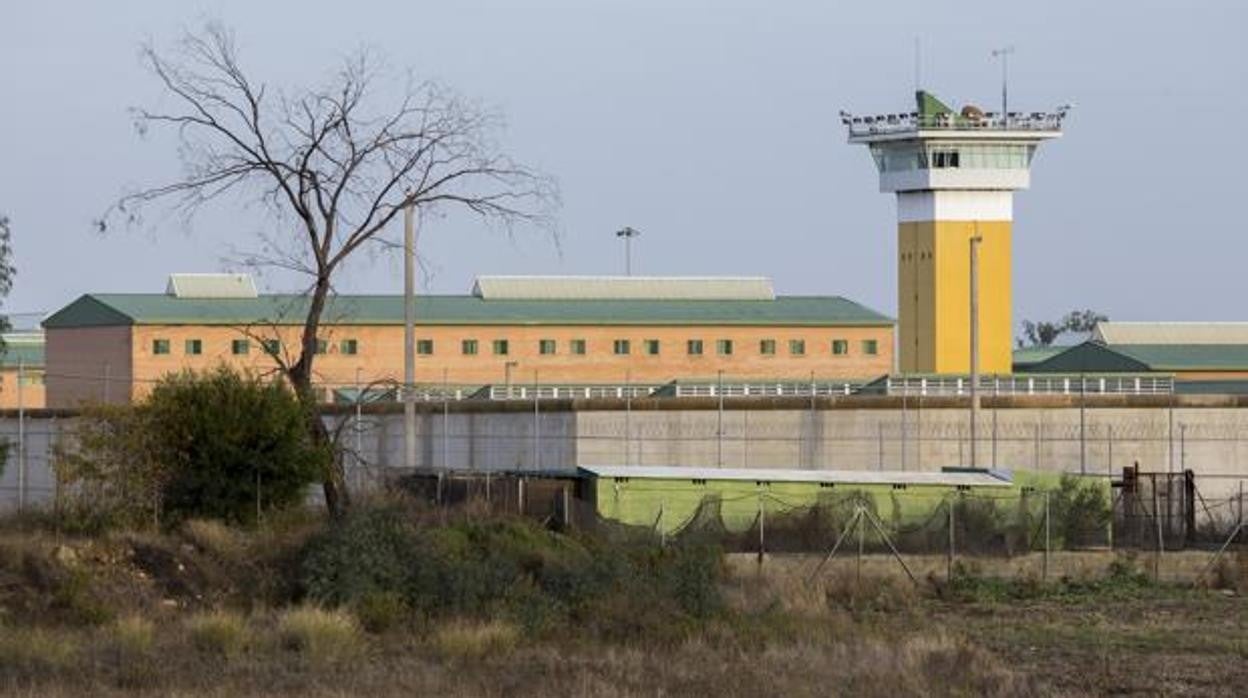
1187, 357
1117, 333
856, 477
159, 309
1094, 357
706, 288
211, 286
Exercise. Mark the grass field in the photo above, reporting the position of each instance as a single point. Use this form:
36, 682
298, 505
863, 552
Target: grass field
209, 611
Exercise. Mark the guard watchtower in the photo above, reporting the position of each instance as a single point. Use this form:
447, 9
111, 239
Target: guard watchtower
955, 174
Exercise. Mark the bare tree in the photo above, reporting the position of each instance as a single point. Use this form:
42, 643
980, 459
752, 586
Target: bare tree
1043, 334
334, 165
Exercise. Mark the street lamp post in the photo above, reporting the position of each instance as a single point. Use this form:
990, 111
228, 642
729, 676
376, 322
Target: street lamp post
507, 366
976, 239
628, 234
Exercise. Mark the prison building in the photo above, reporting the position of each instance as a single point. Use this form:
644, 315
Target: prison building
22, 371
1203, 357
508, 330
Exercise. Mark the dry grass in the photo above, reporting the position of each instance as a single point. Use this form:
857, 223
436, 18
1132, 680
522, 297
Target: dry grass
132, 636
465, 639
783, 632
219, 633
215, 539
323, 636
34, 651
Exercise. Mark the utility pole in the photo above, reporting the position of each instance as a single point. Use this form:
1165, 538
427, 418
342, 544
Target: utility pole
628, 234
409, 335
1004, 55
976, 239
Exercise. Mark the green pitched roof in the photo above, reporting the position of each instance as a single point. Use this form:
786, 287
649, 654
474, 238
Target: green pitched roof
1027, 357
1093, 357
96, 310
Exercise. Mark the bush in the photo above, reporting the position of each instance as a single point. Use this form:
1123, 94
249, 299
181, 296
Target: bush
231, 444
509, 568
1080, 513
213, 445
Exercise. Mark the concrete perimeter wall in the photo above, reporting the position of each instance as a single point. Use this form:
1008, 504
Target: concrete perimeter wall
1208, 436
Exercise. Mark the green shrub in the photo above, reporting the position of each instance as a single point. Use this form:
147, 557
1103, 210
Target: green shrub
1080, 512
370, 551
510, 568
209, 445
231, 443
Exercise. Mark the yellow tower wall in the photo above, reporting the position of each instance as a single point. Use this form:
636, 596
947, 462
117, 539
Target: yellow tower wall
934, 258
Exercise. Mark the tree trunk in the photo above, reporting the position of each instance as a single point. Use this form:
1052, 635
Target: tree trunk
334, 481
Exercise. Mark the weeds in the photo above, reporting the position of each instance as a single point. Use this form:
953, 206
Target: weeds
324, 637
468, 639
26, 652
381, 611
218, 633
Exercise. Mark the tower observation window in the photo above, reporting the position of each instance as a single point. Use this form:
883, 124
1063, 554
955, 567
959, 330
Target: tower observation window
945, 158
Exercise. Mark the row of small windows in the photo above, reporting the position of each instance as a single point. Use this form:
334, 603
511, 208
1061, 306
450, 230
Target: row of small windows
242, 347
902, 157
545, 347
652, 347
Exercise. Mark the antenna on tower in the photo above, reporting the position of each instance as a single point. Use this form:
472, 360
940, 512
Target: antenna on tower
918, 64
1004, 54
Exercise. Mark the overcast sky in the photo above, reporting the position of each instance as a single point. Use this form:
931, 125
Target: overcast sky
710, 126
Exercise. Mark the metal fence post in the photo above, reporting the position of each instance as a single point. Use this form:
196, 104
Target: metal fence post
949, 556
719, 422
762, 525
1161, 544
861, 543
537, 427
1109, 435
879, 450
628, 416
1047, 540
1037, 458
1241, 501
21, 438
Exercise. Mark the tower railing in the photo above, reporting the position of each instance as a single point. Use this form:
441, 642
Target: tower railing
882, 124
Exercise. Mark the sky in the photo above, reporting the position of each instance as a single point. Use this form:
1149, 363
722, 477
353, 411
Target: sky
710, 126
